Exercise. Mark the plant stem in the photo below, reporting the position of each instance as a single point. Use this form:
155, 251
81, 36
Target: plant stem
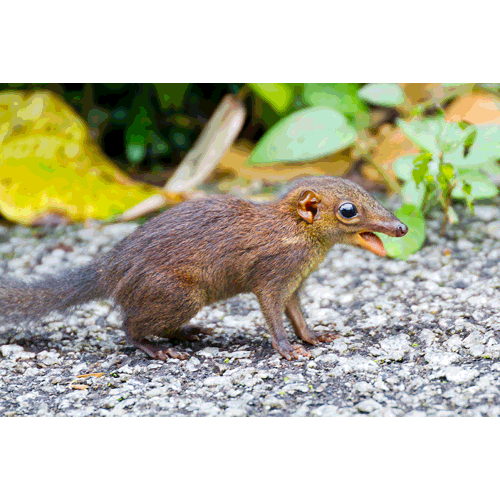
244, 91
445, 218
391, 183
447, 204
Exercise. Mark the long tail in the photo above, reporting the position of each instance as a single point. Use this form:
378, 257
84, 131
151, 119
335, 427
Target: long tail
26, 301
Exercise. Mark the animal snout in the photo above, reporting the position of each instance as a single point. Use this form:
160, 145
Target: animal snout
401, 230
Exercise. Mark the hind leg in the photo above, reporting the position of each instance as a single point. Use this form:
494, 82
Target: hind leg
161, 315
155, 351
190, 332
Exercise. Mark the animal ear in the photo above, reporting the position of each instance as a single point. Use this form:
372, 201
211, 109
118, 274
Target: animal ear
307, 207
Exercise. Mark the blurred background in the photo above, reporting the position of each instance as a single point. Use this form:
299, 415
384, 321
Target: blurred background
75, 152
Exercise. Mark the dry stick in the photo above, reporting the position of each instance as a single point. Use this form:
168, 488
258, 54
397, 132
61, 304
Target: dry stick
217, 137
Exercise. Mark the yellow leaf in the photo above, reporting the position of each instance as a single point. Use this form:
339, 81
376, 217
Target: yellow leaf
50, 165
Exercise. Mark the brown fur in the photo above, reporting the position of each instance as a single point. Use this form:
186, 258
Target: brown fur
207, 250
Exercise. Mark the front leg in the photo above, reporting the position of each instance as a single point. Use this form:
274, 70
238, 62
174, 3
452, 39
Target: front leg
296, 317
272, 309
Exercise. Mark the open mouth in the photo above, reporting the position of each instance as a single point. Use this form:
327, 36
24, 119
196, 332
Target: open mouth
371, 242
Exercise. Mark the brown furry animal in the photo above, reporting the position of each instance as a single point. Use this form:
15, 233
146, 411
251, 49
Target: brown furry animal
206, 250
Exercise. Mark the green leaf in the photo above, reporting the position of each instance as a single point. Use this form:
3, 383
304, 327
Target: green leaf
484, 150
469, 142
421, 167
135, 152
340, 96
436, 135
413, 194
444, 186
423, 133
403, 247
445, 177
403, 166
278, 95
471, 138
456, 136
171, 94
480, 186
467, 190
138, 131
382, 94
447, 170
304, 135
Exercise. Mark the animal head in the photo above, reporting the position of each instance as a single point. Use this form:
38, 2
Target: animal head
339, 211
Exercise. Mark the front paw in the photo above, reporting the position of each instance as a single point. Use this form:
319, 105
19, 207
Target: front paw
314, 338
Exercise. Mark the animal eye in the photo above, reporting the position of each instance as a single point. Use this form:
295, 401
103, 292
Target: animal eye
348, 211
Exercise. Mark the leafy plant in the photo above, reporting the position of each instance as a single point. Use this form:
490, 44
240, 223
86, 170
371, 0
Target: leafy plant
454, 164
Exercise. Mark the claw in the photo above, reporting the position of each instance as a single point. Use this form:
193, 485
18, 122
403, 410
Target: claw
158, 352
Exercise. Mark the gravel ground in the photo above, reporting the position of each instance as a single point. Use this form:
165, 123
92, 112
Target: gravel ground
417, 338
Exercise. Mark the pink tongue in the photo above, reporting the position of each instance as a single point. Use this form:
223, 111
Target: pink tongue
374, 243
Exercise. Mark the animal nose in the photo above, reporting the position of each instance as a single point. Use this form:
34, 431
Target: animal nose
401, 230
